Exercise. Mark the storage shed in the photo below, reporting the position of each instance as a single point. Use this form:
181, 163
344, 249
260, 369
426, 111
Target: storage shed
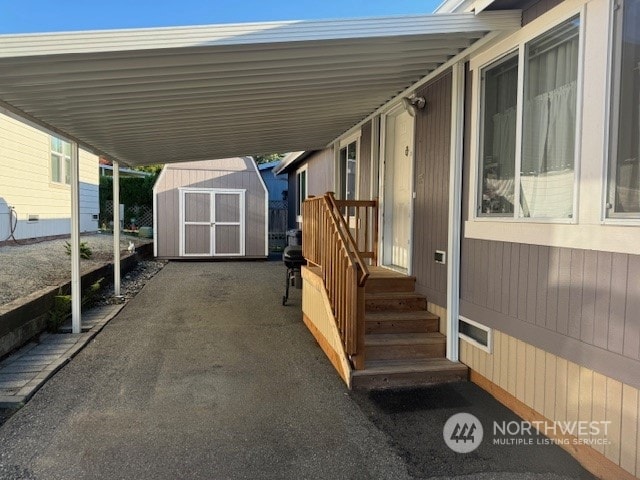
211, 209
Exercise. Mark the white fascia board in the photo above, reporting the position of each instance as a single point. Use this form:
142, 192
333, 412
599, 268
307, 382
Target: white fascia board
286, 161
102, 41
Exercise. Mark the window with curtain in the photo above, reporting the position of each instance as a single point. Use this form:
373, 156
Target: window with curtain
547, 170
348, 163
624, 158
540, 170
499, 98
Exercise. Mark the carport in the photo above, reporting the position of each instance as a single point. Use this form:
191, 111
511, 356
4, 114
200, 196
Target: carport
158, 95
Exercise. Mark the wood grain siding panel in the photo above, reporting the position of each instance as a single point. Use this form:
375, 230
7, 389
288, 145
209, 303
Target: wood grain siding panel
575, 293
320, 172
589, 295
431, 184
617, 308
364, 163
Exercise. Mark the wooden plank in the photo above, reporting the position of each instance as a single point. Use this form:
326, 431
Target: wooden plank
603, 300
564, 285
562, 370
619, 278
532, 285
512, 366
523, 278
599, 405
515, 268
529, 388
573, 391
550, 386
540, 370
506, 277
629, 433
631, 344
585, 396
575, 293
521, 370
590, 459
543, 286
553, 288
589, 296
614, 416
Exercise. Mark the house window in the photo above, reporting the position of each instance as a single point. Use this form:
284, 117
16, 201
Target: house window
536, 178
301, 191
348, 162
60, 161
624, 158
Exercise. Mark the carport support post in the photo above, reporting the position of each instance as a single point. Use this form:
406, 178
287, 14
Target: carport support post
76, 288
116, 228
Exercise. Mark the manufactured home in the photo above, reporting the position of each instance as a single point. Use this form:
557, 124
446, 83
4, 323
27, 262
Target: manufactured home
467, 184
211, 209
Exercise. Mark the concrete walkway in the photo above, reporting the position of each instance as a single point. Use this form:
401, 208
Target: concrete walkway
204, 375
25, 371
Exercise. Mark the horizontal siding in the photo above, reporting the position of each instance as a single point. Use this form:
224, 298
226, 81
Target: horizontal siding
25, 184
431, 185
563, 390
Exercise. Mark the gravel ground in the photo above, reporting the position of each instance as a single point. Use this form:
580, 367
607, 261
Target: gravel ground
27, 268
131, 283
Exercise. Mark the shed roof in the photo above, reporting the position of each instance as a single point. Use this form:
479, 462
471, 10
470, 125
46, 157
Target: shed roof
165, 95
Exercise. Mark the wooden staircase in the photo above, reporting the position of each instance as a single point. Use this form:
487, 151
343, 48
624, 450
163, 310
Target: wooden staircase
403, 345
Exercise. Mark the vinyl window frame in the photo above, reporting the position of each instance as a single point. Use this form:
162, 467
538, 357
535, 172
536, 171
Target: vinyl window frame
63, 159
301, 196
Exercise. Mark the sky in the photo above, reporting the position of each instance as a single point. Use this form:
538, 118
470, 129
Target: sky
30, 16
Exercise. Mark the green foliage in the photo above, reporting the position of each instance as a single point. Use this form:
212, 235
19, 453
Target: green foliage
154, 168
85, 250
61, 310
269, 157
134, 191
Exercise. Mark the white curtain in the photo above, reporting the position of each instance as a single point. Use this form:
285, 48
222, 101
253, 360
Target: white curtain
547, 167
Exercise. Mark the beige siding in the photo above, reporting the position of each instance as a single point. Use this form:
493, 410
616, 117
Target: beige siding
234, 173
561, 390
25, 163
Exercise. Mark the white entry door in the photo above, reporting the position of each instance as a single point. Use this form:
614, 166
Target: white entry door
212, 222
397, 193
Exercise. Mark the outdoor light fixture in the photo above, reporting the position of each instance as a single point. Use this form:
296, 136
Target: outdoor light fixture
414, 103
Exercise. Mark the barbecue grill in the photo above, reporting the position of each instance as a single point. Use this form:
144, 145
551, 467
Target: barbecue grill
293, 260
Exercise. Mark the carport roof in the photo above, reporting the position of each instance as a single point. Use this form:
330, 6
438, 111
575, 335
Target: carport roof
165, 95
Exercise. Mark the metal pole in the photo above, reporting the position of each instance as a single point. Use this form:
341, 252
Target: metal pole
116, 228
455, 210
76, 288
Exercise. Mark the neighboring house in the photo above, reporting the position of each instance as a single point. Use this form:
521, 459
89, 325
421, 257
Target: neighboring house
276, 184
35, 192
210, 209
526, 153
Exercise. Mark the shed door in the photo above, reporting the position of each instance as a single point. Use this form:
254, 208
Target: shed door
213, 223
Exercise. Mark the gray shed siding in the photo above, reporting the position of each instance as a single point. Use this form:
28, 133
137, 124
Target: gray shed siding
431, 184
233, 173
582, 305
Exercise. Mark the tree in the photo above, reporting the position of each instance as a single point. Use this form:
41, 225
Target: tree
269, 157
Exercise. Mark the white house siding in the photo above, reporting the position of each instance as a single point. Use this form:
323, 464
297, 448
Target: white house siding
25, 184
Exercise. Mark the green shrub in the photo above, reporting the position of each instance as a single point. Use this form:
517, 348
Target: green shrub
85, 250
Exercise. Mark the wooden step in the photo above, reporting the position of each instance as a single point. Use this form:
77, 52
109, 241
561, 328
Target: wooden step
387, 346
381, 374
390, 283
395, 301
418, 321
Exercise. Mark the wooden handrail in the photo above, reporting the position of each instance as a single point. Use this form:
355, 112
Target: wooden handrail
330, 242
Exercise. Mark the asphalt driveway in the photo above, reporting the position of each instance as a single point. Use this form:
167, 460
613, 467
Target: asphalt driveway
204, 375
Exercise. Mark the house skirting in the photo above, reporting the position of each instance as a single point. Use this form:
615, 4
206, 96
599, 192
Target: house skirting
542, 387
318, 317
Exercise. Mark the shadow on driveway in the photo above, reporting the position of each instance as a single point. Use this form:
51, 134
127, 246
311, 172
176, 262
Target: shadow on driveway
204, 375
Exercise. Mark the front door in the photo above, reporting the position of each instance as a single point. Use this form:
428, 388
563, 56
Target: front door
212, 222
398, 182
